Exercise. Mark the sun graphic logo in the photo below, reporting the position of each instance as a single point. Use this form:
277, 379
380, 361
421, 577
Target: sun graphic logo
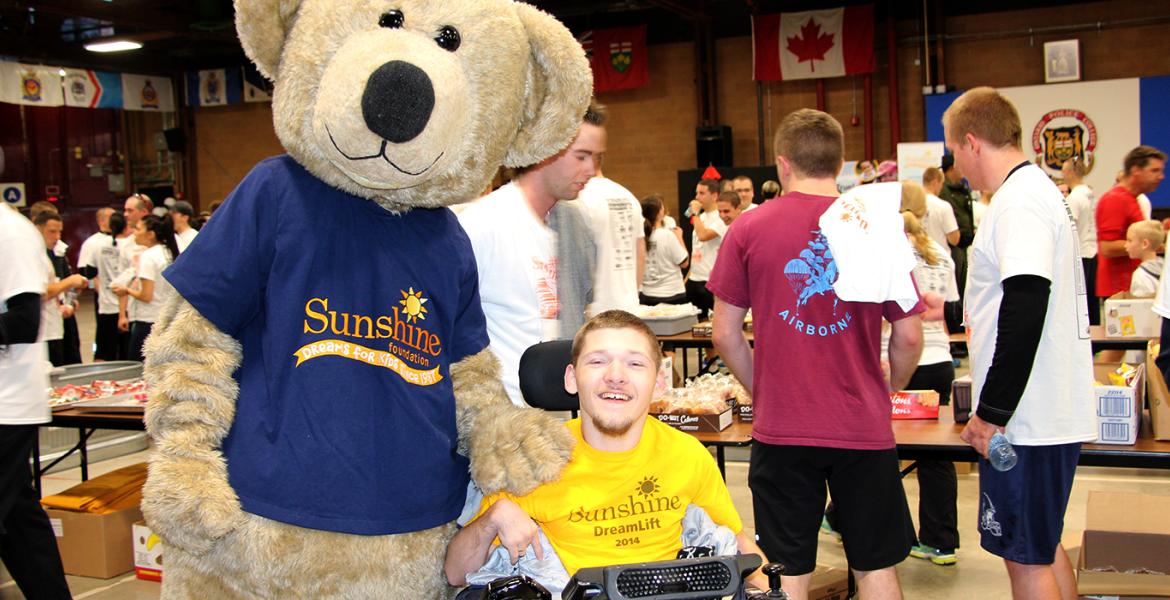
648, 486
412, 305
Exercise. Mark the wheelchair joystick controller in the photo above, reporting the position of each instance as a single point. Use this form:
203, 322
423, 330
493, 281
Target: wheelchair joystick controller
774, 571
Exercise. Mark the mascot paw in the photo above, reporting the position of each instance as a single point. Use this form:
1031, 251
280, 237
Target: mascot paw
186, 507
517, 449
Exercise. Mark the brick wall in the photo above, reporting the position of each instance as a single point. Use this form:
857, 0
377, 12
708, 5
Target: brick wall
229, 141
652, 130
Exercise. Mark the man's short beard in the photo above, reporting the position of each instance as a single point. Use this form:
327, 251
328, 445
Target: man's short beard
611, 430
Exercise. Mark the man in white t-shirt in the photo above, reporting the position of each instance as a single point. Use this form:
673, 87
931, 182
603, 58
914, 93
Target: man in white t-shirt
181, 213
519, 254
615, 216
87, 255
746, 190
134, 209
706, 238
940, 223
30, 548
1031, 365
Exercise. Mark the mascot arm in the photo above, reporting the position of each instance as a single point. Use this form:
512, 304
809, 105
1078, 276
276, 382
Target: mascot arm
189, 365
511, 448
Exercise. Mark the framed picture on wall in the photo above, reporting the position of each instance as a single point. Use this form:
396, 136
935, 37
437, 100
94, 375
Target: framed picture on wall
1062, 61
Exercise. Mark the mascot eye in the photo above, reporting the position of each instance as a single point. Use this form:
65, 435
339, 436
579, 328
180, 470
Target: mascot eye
392, 19
448, 38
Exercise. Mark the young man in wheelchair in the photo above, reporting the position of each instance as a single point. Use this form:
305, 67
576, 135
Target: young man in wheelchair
625, 492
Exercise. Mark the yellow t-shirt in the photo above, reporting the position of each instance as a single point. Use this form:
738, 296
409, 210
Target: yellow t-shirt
613, 508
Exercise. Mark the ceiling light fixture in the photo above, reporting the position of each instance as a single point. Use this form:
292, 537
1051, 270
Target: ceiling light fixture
113, 46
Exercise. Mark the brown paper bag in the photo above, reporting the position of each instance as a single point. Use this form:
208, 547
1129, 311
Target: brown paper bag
1157, 394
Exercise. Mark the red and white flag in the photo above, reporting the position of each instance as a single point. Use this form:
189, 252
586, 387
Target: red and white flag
812, 44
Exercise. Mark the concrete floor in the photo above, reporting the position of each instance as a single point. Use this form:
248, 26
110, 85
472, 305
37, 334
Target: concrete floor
977, 574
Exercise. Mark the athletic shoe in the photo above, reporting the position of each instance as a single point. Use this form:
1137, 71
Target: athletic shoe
828, 529
934, 555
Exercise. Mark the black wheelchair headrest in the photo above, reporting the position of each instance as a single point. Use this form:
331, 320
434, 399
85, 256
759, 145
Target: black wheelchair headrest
542, 376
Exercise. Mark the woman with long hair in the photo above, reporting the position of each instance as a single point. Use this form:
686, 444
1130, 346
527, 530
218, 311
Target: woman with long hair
152, 291
666, 256
111, 343
934, 273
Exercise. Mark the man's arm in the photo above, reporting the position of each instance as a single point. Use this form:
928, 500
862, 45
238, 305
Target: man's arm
953, 238
1111, 248
22, 321
730, 342
72, 281
747, 545
641, 260
905, 349
468, 550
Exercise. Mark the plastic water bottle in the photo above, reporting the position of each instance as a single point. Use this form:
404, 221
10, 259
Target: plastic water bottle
1000, 453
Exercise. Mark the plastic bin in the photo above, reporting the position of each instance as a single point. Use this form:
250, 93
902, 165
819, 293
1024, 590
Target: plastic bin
118, 370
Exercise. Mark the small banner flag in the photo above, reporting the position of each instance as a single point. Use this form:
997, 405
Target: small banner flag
813, 44
92, 89
32, 85
256, 87
147, 92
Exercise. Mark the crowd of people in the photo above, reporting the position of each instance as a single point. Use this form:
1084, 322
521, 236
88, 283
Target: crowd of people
562, 254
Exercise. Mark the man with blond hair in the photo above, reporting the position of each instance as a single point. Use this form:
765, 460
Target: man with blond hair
1031, 367
822, 401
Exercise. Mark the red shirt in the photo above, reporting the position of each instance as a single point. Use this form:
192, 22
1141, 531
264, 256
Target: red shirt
1116, 211
817, 378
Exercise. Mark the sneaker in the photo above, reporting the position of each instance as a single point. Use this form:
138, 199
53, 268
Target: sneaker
934, 555
828, 529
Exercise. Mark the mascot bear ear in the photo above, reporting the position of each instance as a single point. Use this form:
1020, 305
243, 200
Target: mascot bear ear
558, 85
263, 26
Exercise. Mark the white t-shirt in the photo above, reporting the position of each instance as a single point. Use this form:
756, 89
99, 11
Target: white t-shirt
24, 376
1144, 204
939, 220
515, 252
664, 254
151, 264
87, 255
1162, 298
1144, 282
1028, 230
52, 322
109, 263
703, 253
1083, 204
940, 279
978, 209
184, 239
615, 218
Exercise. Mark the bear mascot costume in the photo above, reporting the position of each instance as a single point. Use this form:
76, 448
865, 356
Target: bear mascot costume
322, 387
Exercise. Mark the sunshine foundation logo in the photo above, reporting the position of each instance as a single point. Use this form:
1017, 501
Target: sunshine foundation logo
411, 349
643, 504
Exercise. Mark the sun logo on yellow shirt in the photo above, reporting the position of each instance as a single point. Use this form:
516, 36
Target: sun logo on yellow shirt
412, 303
648, 486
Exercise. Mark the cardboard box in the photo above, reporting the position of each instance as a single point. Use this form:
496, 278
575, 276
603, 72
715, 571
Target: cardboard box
148, 553
1157, 394
1119, 407
745, 412
1126, 316
704, 422
914, 404
95, 545
828, 583
1126, 541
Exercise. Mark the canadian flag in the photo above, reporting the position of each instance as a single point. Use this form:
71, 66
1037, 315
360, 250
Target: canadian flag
812, 44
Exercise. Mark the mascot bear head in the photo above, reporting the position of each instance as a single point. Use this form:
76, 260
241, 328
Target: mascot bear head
412, 103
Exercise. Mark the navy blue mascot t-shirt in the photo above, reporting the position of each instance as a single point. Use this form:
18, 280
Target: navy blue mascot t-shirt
350, 318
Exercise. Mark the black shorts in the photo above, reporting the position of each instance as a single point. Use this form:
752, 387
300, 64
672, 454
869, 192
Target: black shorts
106, 338
1021, 511
788, 496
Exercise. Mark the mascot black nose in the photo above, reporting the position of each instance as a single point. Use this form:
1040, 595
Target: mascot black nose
398, 101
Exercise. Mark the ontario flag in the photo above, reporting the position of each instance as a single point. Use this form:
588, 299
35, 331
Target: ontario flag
813, 44
617, 57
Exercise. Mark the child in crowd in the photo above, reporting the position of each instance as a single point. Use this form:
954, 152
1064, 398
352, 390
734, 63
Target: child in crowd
1143, 240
